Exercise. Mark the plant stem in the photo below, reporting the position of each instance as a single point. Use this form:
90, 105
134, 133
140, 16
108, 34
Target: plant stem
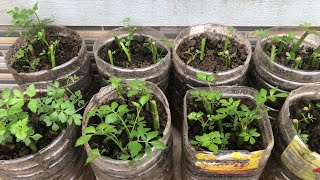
220, 126
155, 114
31, 49
273, 52
123, 123
226, 43
297, 45
126, 50
133, 30
296, 124
280, 47
110, 57
240, 138
52, 56
154, 51
33, 147
203, 45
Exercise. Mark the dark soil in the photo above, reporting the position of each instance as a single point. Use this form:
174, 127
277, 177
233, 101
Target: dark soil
141, 56
212, 62
18, 150
67, 49
111, 149
304, 52
195, 128
311, 128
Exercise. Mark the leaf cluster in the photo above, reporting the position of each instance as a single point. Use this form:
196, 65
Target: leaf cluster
229, 114
123, 117
17, 107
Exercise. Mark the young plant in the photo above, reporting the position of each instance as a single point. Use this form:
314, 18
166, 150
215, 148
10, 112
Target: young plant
117, 119
32, 30
17, 108
219, 109
110, 54
225, 53
151, 45
203, 46
125, 43
192, 55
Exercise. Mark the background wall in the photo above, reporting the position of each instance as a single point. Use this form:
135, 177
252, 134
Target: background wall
172, 12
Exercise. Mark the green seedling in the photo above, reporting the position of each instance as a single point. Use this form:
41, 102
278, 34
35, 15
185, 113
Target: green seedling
218, 108
32, 30
17, 107
226, 53
193, 55
118, 120
304, 137
151, 45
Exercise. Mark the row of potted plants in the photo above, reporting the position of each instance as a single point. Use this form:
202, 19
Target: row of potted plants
126, 126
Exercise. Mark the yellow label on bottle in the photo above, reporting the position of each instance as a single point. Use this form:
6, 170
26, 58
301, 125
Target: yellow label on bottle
302, 162
231, 163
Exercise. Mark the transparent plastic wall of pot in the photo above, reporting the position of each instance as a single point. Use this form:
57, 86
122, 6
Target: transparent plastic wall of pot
159, 165
157, 73
296, 158
228, 164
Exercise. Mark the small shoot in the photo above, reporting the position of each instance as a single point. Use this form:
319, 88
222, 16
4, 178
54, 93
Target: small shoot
110, 54
203, 46
226, 53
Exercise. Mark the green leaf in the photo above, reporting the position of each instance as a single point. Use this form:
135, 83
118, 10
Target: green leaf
144, 99
136, 104
63, 118
89, 130
111, 118
202, 76
83, 139
124, 157
158, 145
134, 147
18, 93
31, 90
6, 93
33, 105
3, 113
77, 119
93, 154
114, 105
148, 149
36, 137
55, 127
213, 148
252, 140
151, 135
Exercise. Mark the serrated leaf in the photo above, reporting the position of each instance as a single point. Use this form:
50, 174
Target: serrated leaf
31, 90
148, 149
33, 105
3, 113
136, 104
213, 148
114, 105
18, 93
83, 140
89, 130
151, 135
36, 137
134, 148
158, 145
144, 99
62, 117
55, 127
202, 76
111, 118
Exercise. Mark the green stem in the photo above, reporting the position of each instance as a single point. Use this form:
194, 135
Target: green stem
52, 55
115, 140
126, 50
135, 121
110, 57
296, 124
123, 123
280, 47
133, 30
226, 43
31, 49
297, 45
155, 115
203, 45
273, 52
33, 147
154, 52
240, 138
220, 126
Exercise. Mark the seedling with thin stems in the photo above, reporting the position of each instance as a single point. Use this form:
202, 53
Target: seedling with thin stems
33, 30
193, 55
217, 109
225, 53
118, 120
151, 45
